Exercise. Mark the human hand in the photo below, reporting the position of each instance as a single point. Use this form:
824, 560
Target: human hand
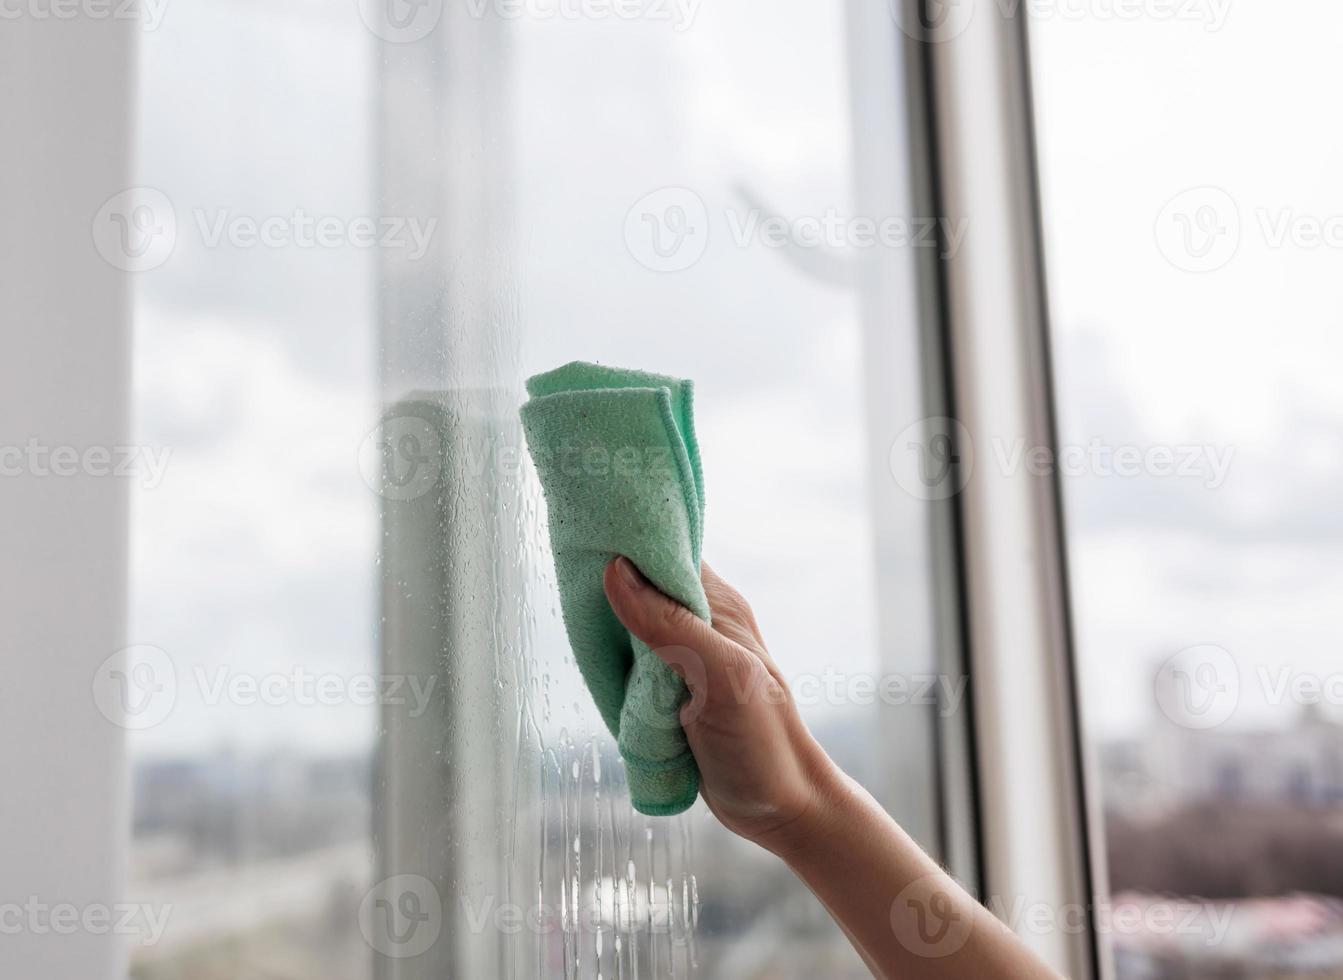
762, 773
767, 779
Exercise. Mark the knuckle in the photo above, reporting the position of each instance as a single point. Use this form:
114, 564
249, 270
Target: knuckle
777, 692
733, 604
745, 673
675, 618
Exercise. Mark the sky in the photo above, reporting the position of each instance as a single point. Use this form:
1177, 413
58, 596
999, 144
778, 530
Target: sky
1156, 348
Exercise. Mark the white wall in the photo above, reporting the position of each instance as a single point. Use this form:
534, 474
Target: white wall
65, 95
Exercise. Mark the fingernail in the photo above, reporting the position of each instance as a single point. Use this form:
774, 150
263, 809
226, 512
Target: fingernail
629, 574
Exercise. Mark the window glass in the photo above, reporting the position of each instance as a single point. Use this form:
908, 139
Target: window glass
253, 599
1192, 219
380, 759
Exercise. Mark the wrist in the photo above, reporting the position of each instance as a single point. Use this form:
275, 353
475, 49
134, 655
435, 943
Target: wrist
828, 796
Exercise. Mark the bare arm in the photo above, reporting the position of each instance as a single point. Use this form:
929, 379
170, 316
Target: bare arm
768, 780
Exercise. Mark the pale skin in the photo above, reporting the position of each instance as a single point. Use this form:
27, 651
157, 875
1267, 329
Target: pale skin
768, 780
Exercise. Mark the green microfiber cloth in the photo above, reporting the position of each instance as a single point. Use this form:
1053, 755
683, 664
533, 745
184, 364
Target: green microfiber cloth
619, 465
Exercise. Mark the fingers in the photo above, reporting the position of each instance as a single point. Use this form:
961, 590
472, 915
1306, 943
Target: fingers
731, 613
650, 615
711, 663
732, 616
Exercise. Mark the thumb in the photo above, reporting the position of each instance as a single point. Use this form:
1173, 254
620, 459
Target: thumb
703, 657
655, 618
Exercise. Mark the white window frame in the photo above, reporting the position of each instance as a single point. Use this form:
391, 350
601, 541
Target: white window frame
1035, 841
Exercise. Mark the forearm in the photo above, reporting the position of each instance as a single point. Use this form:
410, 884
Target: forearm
904, 914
